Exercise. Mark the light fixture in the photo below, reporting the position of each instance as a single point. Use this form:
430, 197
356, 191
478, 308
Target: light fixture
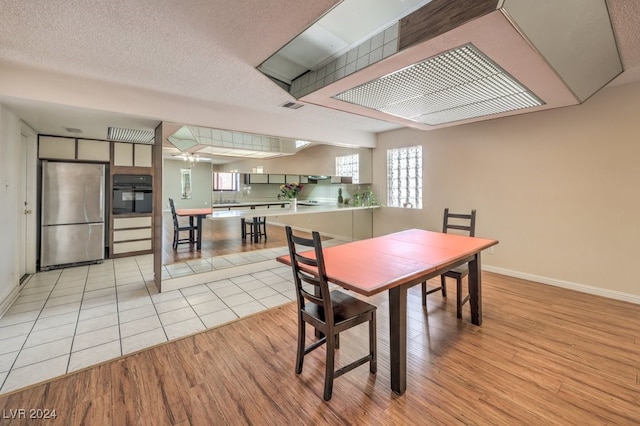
191, 159
456, 85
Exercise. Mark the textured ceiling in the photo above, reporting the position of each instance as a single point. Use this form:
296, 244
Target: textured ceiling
201, 55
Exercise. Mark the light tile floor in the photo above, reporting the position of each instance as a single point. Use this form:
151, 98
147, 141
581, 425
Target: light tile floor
65, 320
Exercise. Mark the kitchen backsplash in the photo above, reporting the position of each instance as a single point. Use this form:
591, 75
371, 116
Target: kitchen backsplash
324, 193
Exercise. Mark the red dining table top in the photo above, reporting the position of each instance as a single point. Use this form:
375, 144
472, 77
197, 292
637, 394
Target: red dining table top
193, 212
376, 264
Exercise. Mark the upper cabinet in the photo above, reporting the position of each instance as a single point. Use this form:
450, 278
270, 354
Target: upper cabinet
256, 178
60, 148
276, 178
142, 155
131, 155
93, 150
123, 154
365, 166
54, 147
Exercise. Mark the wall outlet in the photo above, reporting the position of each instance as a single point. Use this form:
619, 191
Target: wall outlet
490, 250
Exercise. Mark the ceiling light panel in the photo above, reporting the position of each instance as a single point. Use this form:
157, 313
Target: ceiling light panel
456, 85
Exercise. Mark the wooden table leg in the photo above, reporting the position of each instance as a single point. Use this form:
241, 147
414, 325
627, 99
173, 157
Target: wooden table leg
398, 338
255, 230
191, 234
199, 243
475, 290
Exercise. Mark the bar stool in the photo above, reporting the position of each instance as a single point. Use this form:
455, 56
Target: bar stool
255, 228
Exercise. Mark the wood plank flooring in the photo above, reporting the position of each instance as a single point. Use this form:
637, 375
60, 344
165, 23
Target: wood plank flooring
543, 355
220, 237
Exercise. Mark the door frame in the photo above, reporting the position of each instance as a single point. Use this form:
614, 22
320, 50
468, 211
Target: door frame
29, 154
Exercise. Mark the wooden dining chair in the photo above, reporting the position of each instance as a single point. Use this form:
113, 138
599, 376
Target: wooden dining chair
330, 312
458, 222
177, 228
255, 228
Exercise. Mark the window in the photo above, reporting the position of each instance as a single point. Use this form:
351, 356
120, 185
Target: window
226, 181
404, 177
348, 165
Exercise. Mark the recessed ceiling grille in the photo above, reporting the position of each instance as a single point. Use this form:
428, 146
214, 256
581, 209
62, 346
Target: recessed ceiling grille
131, 135
456, 85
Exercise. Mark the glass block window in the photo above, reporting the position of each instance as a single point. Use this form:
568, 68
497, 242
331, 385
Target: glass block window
404, 177
348, 165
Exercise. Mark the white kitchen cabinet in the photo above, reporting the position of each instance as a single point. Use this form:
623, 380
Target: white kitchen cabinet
142, 155
292, 178
276, 178
257, 178
51, 147
304, 179
365, 166
122, 154
93, 150
132, 234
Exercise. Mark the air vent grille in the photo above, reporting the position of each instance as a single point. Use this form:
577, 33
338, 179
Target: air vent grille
292, 105
131, 135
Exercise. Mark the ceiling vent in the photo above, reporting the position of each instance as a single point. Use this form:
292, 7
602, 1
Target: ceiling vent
72, 130
131, 135
292, 105
451, 62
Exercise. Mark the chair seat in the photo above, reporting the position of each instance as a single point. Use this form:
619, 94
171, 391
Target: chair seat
345, 308
460, 271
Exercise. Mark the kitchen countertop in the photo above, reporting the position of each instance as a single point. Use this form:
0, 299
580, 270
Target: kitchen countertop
302, 209
251, 204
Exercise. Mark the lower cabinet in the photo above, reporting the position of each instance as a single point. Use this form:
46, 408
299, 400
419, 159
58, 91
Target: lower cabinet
132, 235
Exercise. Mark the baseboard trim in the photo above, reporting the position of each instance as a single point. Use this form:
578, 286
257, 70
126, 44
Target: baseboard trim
610, 294
8, 301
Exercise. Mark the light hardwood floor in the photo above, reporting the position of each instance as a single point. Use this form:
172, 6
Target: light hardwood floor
220, 237
543, 355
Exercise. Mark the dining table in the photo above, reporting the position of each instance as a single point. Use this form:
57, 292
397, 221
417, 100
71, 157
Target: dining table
197, 215
397, 261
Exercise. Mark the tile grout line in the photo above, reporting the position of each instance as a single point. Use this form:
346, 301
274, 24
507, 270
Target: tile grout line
152, 304
29, 334
75, 330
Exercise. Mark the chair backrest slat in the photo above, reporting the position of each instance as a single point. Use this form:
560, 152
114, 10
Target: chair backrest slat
469, 226
309, 268
173, 213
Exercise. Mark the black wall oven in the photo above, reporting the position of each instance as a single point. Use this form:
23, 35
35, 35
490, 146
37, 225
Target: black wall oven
132, 194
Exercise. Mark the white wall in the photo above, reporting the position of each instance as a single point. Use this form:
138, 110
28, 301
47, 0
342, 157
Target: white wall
559, 189
9, 205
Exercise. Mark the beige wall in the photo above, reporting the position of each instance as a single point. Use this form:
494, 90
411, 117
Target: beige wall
559, 189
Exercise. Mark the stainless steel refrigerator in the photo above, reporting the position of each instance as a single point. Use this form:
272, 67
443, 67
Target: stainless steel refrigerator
72, 214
